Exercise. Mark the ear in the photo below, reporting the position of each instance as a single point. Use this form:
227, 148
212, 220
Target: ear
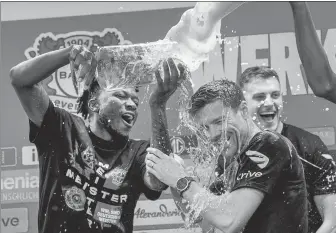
244, 109
93, 105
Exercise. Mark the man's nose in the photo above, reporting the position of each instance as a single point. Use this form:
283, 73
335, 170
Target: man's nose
268, 101
214, 133
130, 105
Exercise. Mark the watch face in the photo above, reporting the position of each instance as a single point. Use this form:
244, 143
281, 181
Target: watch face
182, 184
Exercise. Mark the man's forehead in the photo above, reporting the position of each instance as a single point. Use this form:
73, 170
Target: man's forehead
129, 90
211, 112
261, 85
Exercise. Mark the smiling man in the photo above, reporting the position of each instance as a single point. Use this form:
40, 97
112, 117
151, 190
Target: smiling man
262, 91
91, 176
268, 192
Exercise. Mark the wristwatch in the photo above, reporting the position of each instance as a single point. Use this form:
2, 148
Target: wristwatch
183, 184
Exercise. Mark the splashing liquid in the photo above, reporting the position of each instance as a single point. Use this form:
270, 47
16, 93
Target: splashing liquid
205, 159
189, 42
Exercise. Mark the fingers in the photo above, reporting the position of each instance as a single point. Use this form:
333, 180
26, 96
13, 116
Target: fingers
81, 57
174, 73
76, 49
157, 153
183, 73
152, 158
179, 159
159, 79
152, 171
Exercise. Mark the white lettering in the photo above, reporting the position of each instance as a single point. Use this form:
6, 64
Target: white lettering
100, 171
331, 178
20, 182
115, 198
93, 191
104, 194
70, 174
78, 180
248, 174
231, 45
278, 50
88, 211
250, 48
89, 201
123, 198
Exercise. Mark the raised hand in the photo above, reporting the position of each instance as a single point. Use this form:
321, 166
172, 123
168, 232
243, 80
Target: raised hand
83, 66
166, 86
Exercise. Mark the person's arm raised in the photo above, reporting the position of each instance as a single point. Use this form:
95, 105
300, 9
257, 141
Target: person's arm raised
166, 86
26, 79
319, 73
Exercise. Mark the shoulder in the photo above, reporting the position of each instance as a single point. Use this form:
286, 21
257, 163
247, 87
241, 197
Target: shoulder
138, 145
300, 134
270, 139
139, 142
305, 142
271, 144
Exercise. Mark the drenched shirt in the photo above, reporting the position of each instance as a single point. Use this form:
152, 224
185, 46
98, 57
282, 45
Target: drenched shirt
86, 184
320, 169
271, 165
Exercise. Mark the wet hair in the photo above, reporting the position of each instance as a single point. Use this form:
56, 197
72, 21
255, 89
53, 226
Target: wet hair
83, 100
225, 90
254, 72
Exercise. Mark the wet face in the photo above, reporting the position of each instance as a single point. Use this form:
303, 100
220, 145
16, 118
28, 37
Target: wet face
118, 109
222, 127
264, 100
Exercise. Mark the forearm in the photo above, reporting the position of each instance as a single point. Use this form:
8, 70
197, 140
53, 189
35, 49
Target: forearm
160, 136
160, 140
217, 210
33, 71
311, 52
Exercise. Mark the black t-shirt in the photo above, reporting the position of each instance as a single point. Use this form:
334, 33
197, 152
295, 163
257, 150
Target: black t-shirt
79, 190
270, 164
320, 172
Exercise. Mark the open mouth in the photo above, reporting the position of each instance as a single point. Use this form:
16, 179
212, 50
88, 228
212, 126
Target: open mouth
267, 116
128, 118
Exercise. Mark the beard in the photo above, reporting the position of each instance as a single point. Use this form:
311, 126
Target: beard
116, 134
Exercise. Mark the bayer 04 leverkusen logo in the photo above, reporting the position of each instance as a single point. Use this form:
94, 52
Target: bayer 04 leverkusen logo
59, 85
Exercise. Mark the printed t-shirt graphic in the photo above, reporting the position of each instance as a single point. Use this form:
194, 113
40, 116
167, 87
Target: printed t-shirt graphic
79, 190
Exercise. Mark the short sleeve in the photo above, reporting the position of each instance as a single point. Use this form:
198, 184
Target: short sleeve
141, 168
53, 123
262, 165
324, 171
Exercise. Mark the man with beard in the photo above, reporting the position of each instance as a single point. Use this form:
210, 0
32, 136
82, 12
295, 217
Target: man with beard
268, 192
90, 176
319, 73
262, 91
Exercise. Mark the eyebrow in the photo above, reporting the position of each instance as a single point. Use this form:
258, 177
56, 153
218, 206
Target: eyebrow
133, 96
222, 118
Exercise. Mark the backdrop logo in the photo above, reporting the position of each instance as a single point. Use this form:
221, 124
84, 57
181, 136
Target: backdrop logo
59, 85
